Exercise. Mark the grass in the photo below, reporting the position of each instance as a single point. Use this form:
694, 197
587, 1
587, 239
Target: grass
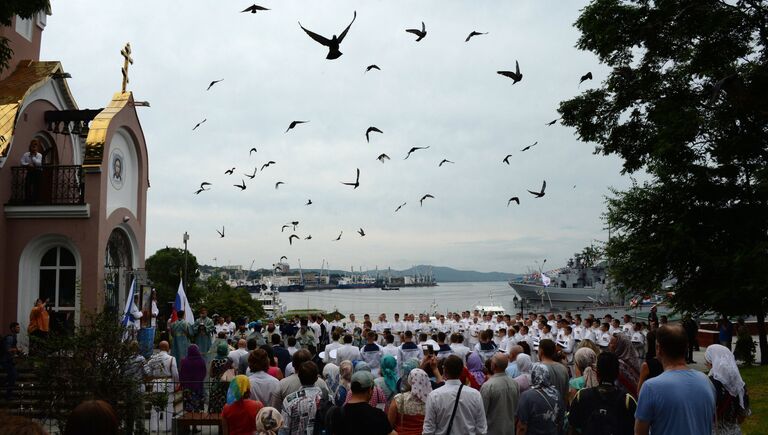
756, 378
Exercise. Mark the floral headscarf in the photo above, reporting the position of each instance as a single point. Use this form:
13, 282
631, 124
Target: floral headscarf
626, 352
238, 389
725, 370
389, 372
420, 384
541, 380
475, 367
331, 375
408, 365
268, 421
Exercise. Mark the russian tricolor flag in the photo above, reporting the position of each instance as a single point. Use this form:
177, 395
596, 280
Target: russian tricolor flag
181, 303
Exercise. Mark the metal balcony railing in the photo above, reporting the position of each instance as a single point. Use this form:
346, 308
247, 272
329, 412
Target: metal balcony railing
49, 185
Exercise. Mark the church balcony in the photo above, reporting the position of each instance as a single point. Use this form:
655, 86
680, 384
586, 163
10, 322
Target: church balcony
53, 192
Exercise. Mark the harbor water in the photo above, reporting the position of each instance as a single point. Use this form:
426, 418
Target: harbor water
451, 296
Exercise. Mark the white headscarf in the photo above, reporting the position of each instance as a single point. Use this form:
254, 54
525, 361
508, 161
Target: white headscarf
724, 369
420, 385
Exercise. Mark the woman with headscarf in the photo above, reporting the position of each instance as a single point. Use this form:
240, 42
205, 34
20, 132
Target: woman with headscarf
524, 366
240, 411
192, 374
475, 368
268, 421
586, 377
345, 382
629, 364
541, 407
408, 365
378, 399
217, 395
332, 377
406, 412
732, 401
387, 382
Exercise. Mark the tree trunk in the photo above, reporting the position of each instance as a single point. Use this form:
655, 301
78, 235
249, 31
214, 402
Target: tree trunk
762, 337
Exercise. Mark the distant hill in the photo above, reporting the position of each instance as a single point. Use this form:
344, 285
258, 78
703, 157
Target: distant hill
440, 273
449, 274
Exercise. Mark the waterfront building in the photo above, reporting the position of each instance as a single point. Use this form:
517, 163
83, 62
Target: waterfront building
73, 232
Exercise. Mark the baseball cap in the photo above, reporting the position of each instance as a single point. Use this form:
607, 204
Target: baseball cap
362, 381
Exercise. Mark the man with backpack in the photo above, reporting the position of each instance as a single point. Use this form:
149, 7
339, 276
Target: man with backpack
358, 416
603, 410
302, 409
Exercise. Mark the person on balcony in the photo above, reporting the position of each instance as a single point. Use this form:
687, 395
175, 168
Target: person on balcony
33, 161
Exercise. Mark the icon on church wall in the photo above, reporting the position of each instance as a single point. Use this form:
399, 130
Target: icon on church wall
116, 169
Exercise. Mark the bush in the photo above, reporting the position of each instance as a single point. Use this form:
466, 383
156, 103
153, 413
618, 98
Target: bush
745, 347
94, 363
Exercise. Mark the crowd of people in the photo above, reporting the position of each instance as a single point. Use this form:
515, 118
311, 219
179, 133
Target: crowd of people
459, 373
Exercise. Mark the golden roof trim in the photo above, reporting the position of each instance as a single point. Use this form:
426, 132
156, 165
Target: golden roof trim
28, 77
97, 135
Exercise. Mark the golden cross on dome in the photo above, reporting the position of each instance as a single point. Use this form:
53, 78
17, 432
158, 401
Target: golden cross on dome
126, 53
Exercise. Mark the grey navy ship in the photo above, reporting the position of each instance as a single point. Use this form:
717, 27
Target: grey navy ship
575, 284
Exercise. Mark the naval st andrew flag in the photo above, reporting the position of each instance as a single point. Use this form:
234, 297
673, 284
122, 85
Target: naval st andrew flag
181, 303
127, 317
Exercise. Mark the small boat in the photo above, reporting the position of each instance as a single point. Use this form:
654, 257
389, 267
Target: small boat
387, 287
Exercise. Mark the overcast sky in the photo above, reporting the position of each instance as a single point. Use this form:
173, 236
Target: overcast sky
440, 92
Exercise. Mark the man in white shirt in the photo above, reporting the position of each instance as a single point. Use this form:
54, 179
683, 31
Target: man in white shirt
236, 355
390, 348
230, 325
397, 328
163, 371
334, 344
458, 348
347, 352
316, 329
470, 414
336, 324
628, 326
352, 324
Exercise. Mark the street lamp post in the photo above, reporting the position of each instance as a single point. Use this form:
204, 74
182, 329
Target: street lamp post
186, 238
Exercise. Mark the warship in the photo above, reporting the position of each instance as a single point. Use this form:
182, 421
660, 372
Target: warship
578, 283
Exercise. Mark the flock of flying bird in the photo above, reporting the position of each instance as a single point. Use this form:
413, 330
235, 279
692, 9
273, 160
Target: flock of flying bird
333, 44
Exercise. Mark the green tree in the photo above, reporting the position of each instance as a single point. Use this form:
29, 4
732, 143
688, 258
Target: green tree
220, 298
685, 107
165, 268
9, 9
93, 363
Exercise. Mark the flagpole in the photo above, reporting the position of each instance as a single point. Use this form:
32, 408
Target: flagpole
186, 238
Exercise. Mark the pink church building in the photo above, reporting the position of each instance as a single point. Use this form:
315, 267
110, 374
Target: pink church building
74, 233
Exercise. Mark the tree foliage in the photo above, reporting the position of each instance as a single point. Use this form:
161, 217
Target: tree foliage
165, 269
685, 107
94, 363
220, 298
9, 9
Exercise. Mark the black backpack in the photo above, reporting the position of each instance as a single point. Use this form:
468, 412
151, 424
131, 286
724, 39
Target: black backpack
608, 416
322, 426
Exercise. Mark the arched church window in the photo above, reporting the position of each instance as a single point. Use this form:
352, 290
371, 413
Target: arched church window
118, 263
49, 151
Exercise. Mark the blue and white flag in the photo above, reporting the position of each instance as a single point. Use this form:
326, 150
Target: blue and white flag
127, 317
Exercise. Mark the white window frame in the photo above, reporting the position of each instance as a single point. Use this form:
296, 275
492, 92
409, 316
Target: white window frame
58, 268
42, 19
25, 27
